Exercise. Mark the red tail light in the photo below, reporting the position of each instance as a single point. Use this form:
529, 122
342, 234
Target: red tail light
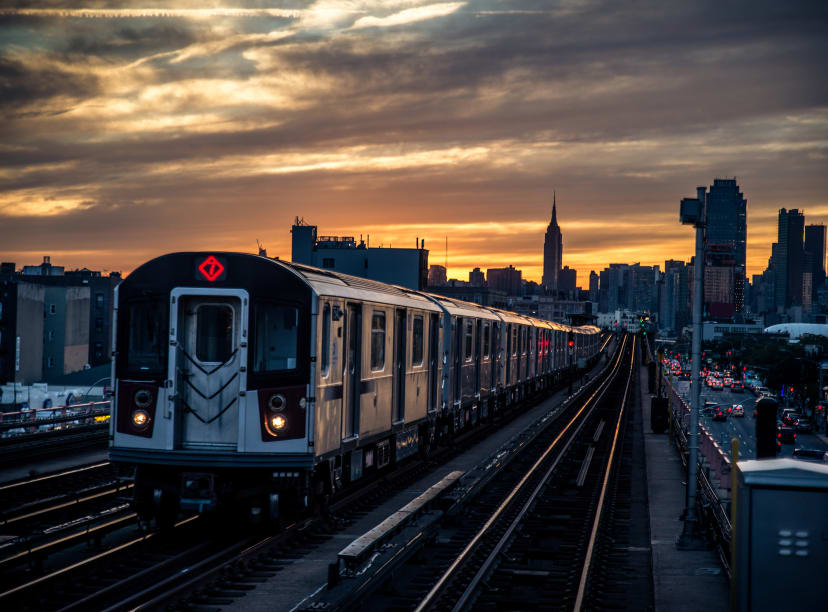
779, 434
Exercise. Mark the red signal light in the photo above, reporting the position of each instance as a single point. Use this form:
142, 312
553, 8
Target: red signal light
211, 268
571, 343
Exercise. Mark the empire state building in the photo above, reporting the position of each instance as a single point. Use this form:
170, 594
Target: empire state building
552, 252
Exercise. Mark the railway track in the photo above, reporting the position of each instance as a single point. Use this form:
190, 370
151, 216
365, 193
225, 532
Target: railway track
540, 533
194, 568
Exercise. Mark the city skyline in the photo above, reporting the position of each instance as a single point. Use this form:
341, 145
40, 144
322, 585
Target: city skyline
129, 134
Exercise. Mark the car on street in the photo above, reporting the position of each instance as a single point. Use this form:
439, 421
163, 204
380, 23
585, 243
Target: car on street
786, 435
816, 454
803, 425
790, 417
720, 413
738, 410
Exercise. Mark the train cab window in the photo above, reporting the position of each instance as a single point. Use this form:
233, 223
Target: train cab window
214, 333
467, 339
275, 337
417, 342
145, 341
326, 339
485, 340
377, 340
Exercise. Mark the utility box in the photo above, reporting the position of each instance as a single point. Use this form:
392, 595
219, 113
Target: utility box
658, 414
780, 536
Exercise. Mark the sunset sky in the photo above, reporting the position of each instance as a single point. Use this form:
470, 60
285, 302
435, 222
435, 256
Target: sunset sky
134, 129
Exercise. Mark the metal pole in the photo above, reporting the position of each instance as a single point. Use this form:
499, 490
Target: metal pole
690, 532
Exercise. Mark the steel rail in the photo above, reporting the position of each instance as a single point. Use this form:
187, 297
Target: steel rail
579, 599
29, 481
88, 560
73, 502
435, 590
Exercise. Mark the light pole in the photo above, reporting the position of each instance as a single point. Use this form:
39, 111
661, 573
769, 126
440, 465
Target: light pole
692, 212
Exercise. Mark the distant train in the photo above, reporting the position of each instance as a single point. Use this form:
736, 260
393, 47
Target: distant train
247, 382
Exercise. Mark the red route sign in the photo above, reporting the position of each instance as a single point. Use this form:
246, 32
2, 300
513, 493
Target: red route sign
211, 268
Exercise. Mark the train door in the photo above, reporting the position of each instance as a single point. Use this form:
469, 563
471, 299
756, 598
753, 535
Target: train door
509, 354
477, 355
206, 359
493, 352
433, 360
352, 361
399, 365
458, 359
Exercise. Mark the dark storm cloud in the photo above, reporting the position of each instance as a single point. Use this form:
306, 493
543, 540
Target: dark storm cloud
22, 85
620, 106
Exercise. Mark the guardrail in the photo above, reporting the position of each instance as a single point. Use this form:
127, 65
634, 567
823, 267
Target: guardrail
36, 419
715, 465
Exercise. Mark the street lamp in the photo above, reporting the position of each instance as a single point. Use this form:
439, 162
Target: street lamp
692, 212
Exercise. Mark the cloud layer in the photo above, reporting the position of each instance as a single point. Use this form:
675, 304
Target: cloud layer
128, 133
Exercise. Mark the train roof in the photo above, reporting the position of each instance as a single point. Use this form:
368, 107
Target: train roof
172, 268
330, 283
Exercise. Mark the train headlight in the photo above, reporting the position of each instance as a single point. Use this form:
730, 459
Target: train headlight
278, 422
276, 402
140, 419
142, 398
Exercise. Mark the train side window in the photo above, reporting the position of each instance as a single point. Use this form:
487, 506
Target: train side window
467, 340
417, 342
485, 339
144, 343
377, 340
326, 339
275, 337
514, 340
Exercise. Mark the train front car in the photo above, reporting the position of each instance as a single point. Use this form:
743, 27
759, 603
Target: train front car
212, 379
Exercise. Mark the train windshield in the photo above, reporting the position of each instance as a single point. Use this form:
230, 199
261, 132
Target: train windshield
144, 345
275, 337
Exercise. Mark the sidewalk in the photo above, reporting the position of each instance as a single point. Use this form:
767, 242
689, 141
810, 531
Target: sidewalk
682, 580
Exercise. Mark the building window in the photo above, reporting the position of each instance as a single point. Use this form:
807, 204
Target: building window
417, 342
99, 301
328, 262
51, 335
98, 350
98, 325
52, 309
378, 340
50, 363
326, 339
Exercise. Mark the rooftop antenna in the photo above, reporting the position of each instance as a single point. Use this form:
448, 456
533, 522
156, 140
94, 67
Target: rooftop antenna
446, 253
262, 250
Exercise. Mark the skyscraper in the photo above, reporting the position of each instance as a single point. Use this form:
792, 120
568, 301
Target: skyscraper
727, 227
552, 251
815, 248
788, 258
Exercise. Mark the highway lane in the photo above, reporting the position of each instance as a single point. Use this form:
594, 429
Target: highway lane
744, 428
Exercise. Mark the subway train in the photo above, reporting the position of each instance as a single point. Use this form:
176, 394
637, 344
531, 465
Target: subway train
251, 383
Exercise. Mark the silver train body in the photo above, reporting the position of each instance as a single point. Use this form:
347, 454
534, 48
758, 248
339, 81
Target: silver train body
250, 382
